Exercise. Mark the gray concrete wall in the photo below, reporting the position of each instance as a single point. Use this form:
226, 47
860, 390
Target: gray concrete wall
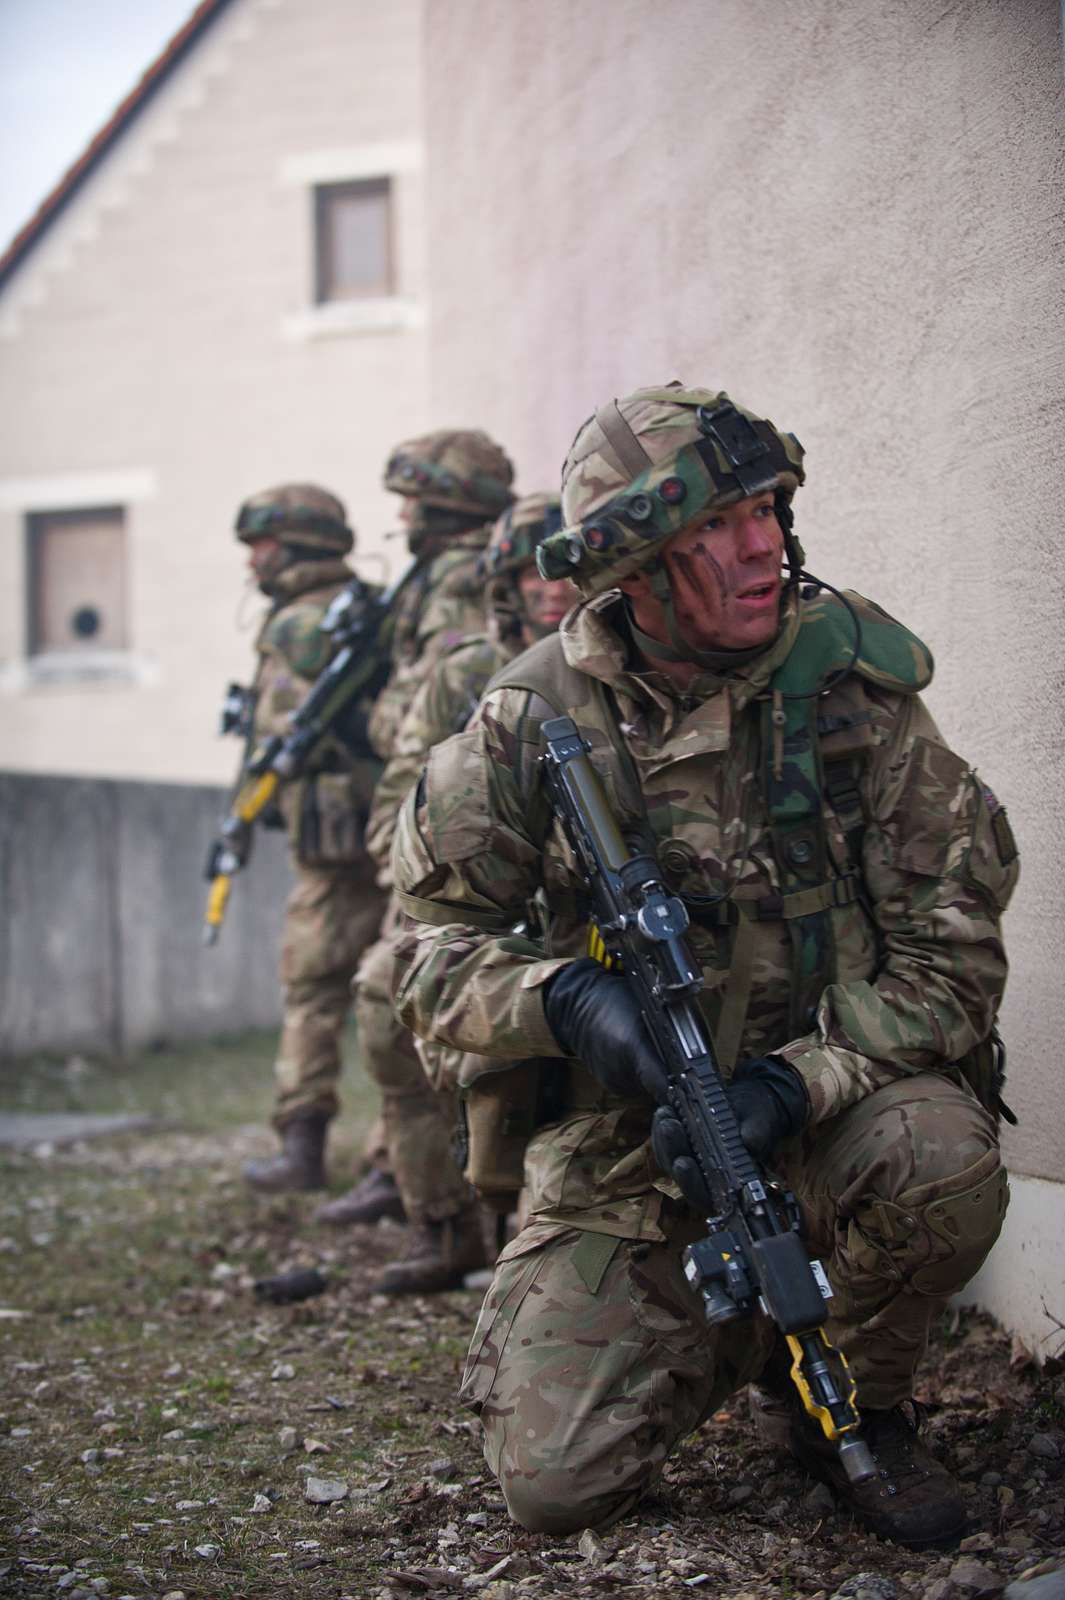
102, 896
853, 218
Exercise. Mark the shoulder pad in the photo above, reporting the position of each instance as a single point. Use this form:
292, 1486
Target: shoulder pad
294, 633
889, 654
536, 669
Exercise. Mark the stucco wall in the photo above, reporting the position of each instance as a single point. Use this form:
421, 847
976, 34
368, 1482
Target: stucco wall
155, 341
103, 895
850, 217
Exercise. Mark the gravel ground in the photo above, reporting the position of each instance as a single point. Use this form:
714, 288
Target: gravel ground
165, 1433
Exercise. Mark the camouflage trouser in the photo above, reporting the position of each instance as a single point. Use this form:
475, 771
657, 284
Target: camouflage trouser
418, 1122
590, 1360
331, 916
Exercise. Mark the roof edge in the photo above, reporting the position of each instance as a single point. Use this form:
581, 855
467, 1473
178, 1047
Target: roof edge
120, 119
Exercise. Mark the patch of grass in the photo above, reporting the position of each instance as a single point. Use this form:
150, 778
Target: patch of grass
213, 1084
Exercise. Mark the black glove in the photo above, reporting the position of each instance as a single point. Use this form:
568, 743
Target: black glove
770, 1103
595, 1016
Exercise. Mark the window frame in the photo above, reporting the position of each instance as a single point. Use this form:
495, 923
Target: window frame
38, 652
322, 194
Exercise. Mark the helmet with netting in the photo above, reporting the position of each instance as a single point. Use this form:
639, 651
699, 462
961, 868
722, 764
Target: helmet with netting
516, 537
453, 470
646, 466
297, 514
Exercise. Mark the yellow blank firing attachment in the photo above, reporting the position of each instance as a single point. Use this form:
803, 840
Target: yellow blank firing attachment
217, 896
847, 1388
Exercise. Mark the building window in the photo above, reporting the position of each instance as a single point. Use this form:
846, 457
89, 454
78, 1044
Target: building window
77, 581
353, 240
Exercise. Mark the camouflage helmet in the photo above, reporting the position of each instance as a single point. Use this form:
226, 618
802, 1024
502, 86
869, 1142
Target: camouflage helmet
644, 467
515, 539
454, 470
296, 513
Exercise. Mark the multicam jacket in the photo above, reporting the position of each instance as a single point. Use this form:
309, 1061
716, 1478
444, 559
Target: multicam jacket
918, 965
442, 706
440, 605
325, 811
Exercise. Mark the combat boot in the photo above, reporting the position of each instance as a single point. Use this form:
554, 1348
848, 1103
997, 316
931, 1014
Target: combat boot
300, 1163
913, 1500
438, 1256
375, 1197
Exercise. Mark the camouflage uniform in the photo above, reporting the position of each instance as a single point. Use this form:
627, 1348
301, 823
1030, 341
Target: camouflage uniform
441, 605
590, 1358
298, 534
335, 906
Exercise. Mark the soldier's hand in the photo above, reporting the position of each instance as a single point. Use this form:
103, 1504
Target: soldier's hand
769, 1101
675, 1157
594, 1016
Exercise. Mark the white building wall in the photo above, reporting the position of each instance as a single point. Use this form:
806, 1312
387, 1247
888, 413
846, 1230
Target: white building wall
160, 338
850, 217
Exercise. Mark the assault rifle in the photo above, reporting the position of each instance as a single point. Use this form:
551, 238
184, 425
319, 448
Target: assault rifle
752, 1254
356, 620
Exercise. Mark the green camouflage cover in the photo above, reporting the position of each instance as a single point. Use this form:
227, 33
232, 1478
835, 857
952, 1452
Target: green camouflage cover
453, 469
310, 515
646, 466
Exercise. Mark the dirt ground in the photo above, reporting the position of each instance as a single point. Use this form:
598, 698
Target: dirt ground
161, 1428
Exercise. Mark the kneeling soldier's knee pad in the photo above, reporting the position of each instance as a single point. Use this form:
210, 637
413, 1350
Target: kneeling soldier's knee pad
939, 1233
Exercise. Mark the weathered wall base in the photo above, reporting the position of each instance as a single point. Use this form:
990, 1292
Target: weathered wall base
102, 896
1022, 1282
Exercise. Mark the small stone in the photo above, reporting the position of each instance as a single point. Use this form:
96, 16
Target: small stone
441, 1469
261, 1504
1044, 1446
283, 1372
974, 1579
477, 1519
990, 1480
323, 1491
89, 1456
315, 1447
100, 1585
288, 1439
206, 1551
189, 1505
174, 1594
866, 1586
174, 1434
976, 1541
592, 1547
740, 1495
819, 1501
68, 1580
